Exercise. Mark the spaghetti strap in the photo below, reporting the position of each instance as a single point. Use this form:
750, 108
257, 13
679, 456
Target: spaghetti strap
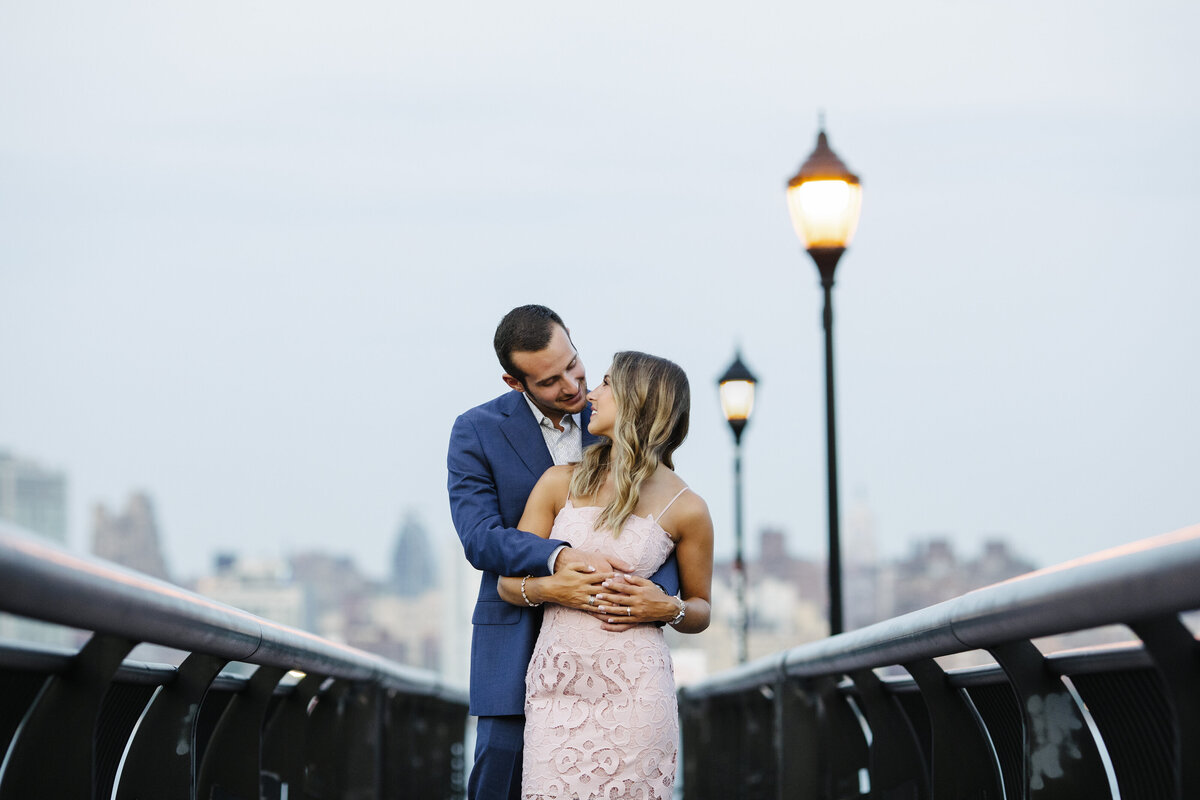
668, 505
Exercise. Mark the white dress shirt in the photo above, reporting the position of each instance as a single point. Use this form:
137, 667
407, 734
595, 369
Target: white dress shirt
565, 446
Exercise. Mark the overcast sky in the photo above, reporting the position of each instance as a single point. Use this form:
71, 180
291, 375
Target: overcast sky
252, 255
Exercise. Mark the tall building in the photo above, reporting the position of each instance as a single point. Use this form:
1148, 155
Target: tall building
785, 601
787, 597
933, 571
414, 569
263, 587
338, 595
33, 497
860, 566
129, 538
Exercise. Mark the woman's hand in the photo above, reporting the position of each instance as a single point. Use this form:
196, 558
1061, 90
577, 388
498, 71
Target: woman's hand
623, 601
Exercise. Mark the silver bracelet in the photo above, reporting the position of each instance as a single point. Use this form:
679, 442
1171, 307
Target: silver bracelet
678, 617
525, 597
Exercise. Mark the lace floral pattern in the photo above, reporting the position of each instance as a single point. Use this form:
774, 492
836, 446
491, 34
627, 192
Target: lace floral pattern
601, 719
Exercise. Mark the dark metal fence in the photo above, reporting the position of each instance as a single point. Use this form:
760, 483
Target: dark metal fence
872, 713
314, 719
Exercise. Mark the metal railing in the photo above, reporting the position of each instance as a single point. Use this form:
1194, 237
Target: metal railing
872, 713
314, 719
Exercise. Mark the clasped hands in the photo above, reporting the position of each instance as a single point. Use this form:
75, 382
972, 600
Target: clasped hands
604, 588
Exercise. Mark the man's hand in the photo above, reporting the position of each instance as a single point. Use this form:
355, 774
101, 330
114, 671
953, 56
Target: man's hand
627, 600
570, 558
572, 588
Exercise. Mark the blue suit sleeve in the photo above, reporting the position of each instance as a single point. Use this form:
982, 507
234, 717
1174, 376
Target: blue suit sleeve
475, 509
667, 576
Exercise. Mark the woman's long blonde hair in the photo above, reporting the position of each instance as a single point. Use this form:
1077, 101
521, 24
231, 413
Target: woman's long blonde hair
652, 400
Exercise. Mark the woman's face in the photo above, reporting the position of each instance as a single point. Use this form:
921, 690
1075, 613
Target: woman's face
604, 409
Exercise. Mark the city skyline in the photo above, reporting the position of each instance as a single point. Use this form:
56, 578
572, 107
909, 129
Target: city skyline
327, 593
860, 542
254, 269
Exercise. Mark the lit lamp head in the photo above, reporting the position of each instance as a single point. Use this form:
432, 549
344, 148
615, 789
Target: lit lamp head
737, 396
824, 200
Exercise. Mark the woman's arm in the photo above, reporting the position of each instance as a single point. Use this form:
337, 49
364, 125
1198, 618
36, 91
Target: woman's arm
695, 554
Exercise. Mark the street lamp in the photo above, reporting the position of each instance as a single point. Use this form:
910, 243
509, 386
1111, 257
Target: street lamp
737, 402
824, 199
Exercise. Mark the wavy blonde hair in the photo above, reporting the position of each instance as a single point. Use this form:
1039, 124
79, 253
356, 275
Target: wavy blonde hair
652, 400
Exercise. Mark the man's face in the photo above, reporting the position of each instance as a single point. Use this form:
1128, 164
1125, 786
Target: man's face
554, 377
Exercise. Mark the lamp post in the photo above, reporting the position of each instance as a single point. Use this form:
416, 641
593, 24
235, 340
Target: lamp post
824, 199
737, 402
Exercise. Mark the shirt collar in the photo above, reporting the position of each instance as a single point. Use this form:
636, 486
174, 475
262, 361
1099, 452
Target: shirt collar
568, 420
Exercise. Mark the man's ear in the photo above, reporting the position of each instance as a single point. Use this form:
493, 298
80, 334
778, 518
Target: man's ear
512, 382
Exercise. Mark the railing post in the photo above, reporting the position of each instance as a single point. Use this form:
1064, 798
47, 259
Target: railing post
800, 740
52, 756
1062, 761
341, 753
285, 736
898, 767
963, 765
162, 759
231, 768
693, 729
843, 746
1177, 657
417, 736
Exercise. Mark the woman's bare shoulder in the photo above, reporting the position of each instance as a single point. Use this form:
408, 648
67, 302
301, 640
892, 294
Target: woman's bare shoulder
563, 472
556, 480
692, 506
687, 506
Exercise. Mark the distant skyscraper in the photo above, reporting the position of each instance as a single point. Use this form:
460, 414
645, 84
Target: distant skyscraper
130, 538
33, 498
861, 546
414, 570
261, 586
860, 565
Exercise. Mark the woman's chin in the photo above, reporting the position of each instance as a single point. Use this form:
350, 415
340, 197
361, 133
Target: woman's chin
598, 430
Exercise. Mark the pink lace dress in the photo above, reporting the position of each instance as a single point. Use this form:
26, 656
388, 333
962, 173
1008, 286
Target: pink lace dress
601, 719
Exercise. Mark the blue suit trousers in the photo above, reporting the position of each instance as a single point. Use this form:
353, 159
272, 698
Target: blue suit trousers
499, 747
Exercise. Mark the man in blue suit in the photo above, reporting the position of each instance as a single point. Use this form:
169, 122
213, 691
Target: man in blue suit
497, 452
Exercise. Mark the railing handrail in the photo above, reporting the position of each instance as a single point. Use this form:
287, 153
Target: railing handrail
1123, 584
42, 581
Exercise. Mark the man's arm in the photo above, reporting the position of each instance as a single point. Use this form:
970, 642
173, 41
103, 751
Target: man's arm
667, 576
475, 509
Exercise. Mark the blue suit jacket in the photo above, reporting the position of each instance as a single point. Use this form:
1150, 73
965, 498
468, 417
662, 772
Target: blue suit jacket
497, 453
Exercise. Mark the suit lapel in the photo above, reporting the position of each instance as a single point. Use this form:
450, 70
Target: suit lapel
522, 432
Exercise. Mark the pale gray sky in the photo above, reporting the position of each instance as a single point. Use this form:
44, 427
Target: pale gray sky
251, 256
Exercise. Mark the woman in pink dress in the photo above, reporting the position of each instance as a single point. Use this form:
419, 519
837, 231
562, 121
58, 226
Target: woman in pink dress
601, 719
